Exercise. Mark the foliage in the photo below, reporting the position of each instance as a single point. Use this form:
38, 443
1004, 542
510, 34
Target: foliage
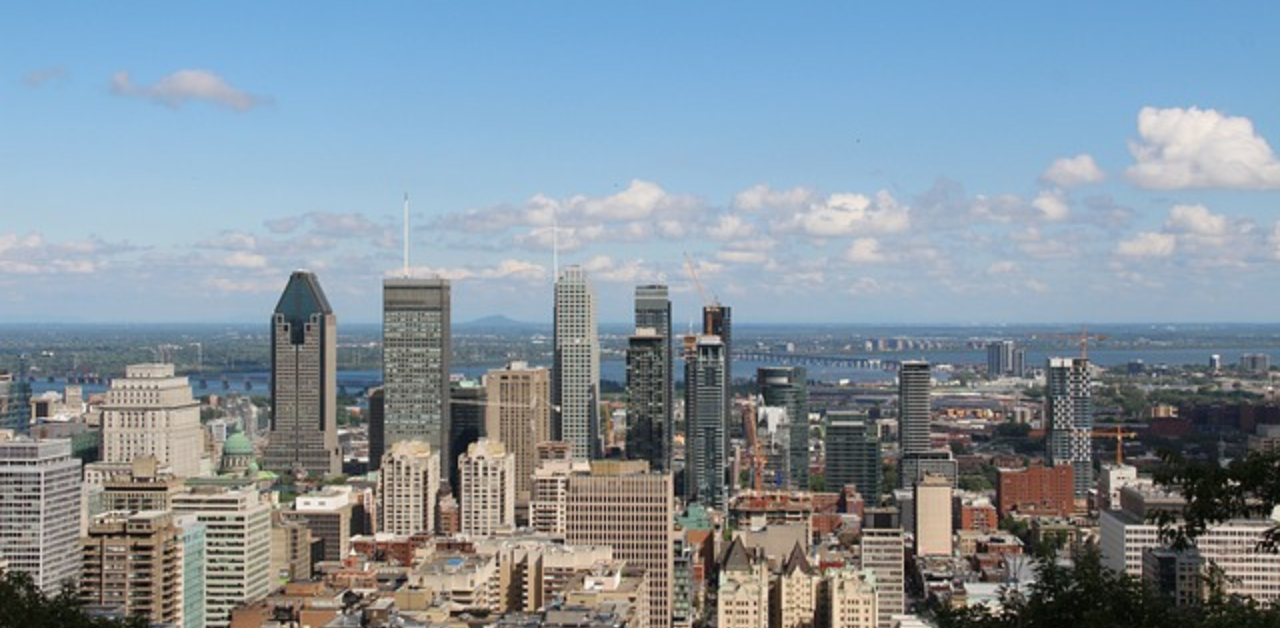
23, 604
1010, 429
1246, 488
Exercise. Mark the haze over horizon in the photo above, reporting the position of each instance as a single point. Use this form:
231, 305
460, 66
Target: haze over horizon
901, 165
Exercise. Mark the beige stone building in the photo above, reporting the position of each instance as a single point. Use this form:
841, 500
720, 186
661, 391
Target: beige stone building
795, 592
518, 413
487, 471
551, 495
151, 412
743, 598
408, 484
884, 554
132, 563
854, 602
933, 516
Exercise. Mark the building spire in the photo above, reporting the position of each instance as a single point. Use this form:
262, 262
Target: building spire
406, 235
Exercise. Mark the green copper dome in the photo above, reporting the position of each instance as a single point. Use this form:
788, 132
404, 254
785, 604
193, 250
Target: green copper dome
238, 445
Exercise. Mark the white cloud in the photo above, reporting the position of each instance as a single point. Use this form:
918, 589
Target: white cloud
1004, 267
1052, 206
743, 257
1200, 148
244, 259
761, 197
865, 251
1148, 244
183, 86
731, 227
1198, 220
1073, 171
853, 214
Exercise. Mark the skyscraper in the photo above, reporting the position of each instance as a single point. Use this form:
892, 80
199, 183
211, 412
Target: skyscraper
914, 381
717, 320
575, 380
238, 559
151, 412
1068, 412
15, 402
488, 488
649, 429
416, 343
518, 413
705, 418
786, 387
407, 486
1000, 358
653, 312
40, 510
852, 454
132, 563
304, 375
467, 401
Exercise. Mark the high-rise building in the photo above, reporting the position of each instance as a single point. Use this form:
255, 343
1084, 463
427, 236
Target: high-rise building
467, 401
15, 402
547, 509
377, 422
408, 483
933, 516
1068, 419
132, 564
488, 488
151, 412
304, 382
705, 419
884, 554
717, 320
786, 387
852, 453
623, 505
1000, 358
575, 379
191, 536
649, 428
327, 513
40, 501
415, 361
914, 382
238, 556
518, 413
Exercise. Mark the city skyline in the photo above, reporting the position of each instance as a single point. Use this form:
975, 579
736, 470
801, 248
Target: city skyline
1107, 164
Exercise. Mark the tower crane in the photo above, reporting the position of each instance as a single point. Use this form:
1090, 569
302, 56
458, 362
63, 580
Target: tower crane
1081, 338
1119, 434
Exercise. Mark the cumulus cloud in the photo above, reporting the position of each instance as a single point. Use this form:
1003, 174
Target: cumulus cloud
39, 77
179, 88
762, 197
865, 251
852, 214
1073, 171
731, 227
1052, 206
1200, 148
1148, 244
1198, 220
243, 259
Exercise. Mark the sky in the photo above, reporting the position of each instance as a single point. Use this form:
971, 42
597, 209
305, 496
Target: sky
916, 162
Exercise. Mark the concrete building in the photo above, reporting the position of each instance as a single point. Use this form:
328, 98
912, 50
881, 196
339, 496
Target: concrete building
327, 514
650, 404
145, 487
408, 486
290, 549
855, 600
416, 346
852, 453
1068, 419
787, 387
794, 601
743, 598
40, 502
548, 507
151, 412
132, 564
304, 387
575, 379
933, 516
518, 413
884, 554
238, 556
623, 505
1113, 478
706, 419
1036, 491
488, 488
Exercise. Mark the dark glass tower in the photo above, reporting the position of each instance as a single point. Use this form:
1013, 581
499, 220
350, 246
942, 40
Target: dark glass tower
650, 380
304, 339
415, 363
785, 387
705, 418
717, 320
853, 454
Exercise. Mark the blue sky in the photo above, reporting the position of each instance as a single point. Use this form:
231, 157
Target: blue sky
920, 162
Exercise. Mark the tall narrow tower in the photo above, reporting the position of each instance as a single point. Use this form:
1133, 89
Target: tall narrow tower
705, 418
717, 320
415, 364
304, 378
786, 387
575, 381
650, 381
1068, 411
914, 381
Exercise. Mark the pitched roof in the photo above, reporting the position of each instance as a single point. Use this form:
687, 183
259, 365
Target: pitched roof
797, 560
736, 558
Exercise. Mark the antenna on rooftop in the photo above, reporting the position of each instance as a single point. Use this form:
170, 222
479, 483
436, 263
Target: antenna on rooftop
406, 235
555, 246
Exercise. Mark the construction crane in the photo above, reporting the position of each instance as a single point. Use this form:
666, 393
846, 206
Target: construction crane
693, 273
1081, 338
753, 443
1119, 434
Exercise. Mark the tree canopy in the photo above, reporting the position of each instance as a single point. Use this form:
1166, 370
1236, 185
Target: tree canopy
24, 604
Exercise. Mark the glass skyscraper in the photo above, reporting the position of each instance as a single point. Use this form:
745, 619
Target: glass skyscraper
416, 343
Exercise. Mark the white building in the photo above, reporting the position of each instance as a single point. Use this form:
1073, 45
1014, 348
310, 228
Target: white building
884, 554
238, 554
40, 510
1113, 478
575, 382
150, 412
487, 473
408, 481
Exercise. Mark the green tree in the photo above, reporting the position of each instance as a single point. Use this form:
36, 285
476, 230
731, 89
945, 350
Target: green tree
23, 604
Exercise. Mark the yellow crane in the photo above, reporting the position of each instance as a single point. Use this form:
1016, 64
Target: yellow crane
1119, 434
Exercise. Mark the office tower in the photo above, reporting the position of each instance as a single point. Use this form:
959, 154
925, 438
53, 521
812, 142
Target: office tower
145, 487
132, 564
623, 505
786, 387
854, 598
933, 516
705, 418
415, 362
191, 536
518, 413
150, 412
551, 494
743, 598
467, 403
1068, 419
40, 510
883, 553
304, 382
238, 536
717, 320
1000, 358
575, 379
488, 488
1019, 362
327, 513
408, 483
15, 402
377, 429
649, 428
852, 454
914, 381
